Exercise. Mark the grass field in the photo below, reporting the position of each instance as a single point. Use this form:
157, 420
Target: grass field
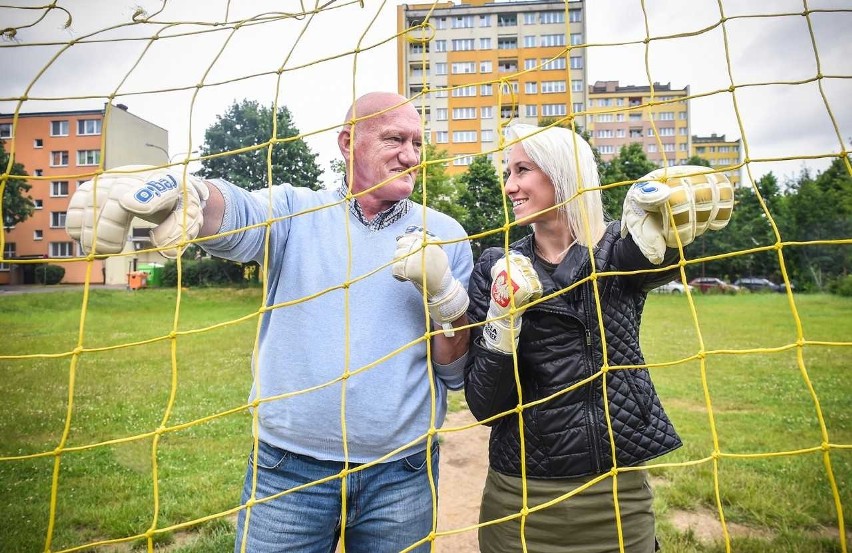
759, 404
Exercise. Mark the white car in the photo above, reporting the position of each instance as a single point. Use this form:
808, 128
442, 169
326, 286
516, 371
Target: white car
673, 287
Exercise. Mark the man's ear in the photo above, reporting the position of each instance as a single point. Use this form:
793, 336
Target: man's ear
344, 140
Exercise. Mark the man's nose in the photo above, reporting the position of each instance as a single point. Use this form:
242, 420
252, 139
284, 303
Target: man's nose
408, 154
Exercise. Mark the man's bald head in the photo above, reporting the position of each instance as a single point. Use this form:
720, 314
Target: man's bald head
376, 102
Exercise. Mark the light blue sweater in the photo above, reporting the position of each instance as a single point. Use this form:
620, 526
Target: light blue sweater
318, 329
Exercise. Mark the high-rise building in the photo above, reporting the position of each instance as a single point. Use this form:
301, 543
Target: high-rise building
720, 153
59, 151
474, 66
657, 118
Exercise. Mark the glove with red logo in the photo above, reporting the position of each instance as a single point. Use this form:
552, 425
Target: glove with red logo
158, 196
680, 202
426, 266
512, 276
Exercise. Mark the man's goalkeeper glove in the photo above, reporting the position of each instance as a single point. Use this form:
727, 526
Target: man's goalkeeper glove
158, 196
427, 267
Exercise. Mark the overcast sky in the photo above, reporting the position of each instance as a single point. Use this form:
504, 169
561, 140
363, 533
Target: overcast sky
771, 62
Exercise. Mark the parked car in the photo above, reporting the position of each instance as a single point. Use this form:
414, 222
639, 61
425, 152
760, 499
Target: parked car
673, 287
713, 285
759, 285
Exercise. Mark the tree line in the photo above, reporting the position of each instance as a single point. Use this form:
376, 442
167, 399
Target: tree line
804, 222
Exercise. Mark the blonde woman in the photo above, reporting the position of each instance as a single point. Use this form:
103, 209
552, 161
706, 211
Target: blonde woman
553, 185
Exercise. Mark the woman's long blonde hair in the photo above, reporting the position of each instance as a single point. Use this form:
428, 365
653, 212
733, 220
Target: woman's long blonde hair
575, 178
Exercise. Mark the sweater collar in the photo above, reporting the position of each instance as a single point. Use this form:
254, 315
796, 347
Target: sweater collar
383, 219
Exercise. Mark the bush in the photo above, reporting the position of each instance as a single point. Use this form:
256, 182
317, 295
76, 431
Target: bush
49, 274
842, 286
209, 271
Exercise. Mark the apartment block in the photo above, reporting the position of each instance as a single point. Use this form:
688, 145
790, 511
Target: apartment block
474, 66
655, 116
61, 150
720, 153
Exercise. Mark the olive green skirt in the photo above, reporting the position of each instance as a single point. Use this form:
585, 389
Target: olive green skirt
583, 523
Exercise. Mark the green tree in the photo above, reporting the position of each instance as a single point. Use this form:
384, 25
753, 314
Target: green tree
248, 124
482, 199
630, 164
697, 160
442, 193
17, 204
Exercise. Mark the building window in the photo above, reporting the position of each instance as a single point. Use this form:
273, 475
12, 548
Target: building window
38, 173
531, 110
88, 157
486, 89
441, 93
462, 44
507, 42
529, 63
463, 22
485, 20
576, 39
553, 17
59, 189
88, 126
5, 130
508, 112
576, 62
652, 148
507, 66
529, 18
38, 204
507, 20
531, 88
440, 45
38, 143
487, 135
441, 114
667, 131
553, 110
464, 67
604, 102
510, 88
575, 16
553, 65
59, 128
683, 131
606, 149
620, 133
635, 133
577, 85
577, 107
464, 91
441, 23
666, 116
486, 112
442, 137
59, 159
604, 118
529, 41
8, 253
463, 161
38, 234
464, 136
553, 40
62, 249
485, 43
604, 133
464, 113
57, 219
441, 68
552, 87
486, 66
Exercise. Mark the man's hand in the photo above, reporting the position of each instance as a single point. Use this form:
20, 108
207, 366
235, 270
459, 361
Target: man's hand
512, 276
675, 203
154, 195
427, 267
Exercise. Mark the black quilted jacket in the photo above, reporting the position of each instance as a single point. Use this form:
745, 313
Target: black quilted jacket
560, 346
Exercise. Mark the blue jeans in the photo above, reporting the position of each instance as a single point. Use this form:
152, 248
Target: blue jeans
388, 506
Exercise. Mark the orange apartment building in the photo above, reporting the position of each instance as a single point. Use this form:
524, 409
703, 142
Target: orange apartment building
472, 66
720, 153
657, 118
60, 150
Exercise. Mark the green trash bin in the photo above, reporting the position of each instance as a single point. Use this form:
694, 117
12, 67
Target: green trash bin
154, 272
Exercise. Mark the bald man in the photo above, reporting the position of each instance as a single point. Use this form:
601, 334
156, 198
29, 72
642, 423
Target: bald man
362, 345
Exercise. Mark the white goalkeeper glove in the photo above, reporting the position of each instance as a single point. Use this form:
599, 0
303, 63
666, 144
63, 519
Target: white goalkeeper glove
676, 202
502, 332
154, 195
427, 267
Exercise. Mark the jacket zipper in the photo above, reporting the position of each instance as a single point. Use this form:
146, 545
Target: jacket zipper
594, 440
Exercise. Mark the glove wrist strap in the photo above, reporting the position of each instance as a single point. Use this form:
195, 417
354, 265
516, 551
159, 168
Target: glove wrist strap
502, 335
